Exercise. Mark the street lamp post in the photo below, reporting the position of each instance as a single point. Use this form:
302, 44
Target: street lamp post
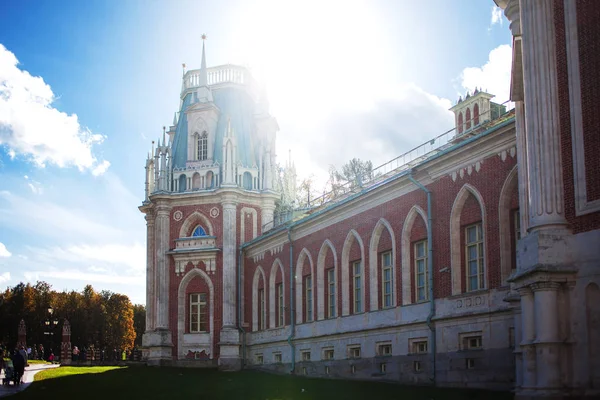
51, 324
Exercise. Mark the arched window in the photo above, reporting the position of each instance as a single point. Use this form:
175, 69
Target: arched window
199, 231
247, 181
468, 118
460, 122
182, 181
476, 114
202, 146
210, 180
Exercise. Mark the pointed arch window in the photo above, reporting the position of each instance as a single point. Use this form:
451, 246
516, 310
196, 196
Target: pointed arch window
202, 146
199, 231
468, 118
476, 114
460, 122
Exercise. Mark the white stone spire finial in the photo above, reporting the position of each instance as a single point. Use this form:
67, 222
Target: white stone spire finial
153, 149
164, 135
203, 72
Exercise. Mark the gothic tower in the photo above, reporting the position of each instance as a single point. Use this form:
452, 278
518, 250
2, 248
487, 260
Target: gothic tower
209, 188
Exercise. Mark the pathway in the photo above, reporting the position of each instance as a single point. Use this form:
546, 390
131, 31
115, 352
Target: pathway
27, 378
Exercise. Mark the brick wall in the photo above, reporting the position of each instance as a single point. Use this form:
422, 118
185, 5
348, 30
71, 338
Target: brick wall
588, 12
488, 181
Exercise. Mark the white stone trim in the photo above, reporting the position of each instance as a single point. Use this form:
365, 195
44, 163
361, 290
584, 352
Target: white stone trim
582, 205
504, 219
272, 304
253, 213
181, 303
352, 235
456, 232
327, 245
258, 274
406, 251
374, 263
304, 254
192, 220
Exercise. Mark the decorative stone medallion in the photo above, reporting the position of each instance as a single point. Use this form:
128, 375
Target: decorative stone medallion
214, 212
177, 215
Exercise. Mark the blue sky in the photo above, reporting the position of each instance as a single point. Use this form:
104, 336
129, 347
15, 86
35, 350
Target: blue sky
96, 81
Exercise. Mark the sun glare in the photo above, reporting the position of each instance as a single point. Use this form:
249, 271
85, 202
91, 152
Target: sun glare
316, 58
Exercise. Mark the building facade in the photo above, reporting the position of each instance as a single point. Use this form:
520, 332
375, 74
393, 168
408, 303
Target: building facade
472, 261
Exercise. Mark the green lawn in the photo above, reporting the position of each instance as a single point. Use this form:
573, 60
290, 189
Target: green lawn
184, 383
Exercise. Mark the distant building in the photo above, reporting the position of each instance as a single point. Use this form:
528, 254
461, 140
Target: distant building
471, 261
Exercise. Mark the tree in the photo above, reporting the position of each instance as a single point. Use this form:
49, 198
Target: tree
139, 322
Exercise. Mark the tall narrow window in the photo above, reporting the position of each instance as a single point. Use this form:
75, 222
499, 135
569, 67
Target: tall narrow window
261, 309
308, 294
357, 279
280, 304
198, 313
421, 273
468, 118
474, 252
331, 293
460, 122
202, 149
476, 114
386, 279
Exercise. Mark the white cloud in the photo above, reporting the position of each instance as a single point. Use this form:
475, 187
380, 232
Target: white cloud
4, 251
395, 123
496, 16
4, 277
31, 127
493, 77
101, 168
35, 186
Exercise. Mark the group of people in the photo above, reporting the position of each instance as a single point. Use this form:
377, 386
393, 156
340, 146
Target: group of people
17, 364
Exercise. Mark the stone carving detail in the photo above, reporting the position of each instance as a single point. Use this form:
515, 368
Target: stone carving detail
259, 257
276, 249
209, 265
509, 152
177, 215
470, 302
214, 212
468, 170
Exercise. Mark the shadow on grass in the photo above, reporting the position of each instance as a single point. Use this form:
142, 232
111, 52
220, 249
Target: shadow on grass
185, 383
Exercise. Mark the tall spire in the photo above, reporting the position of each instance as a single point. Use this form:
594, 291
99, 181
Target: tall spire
203, 72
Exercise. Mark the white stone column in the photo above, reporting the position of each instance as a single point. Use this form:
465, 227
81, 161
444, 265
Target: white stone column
229, 263
150, 278
162, 266
544, 164
547, 338
527, 339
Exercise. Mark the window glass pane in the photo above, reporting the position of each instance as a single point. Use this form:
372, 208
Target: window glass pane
387, 259
472, 252
472, 267
387, 274
473, 283
203, 297
387, 288
471, 234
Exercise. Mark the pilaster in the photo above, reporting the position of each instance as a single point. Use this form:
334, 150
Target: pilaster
157, 339
544, 163
229, 343
527, 344
150, 278
547, 339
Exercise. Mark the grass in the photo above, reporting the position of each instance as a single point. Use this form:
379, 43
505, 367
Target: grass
38, 362
165, 383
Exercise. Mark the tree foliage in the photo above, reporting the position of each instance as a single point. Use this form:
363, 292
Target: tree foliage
105, 319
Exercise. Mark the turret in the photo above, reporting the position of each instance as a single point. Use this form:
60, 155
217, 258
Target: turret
474, 110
